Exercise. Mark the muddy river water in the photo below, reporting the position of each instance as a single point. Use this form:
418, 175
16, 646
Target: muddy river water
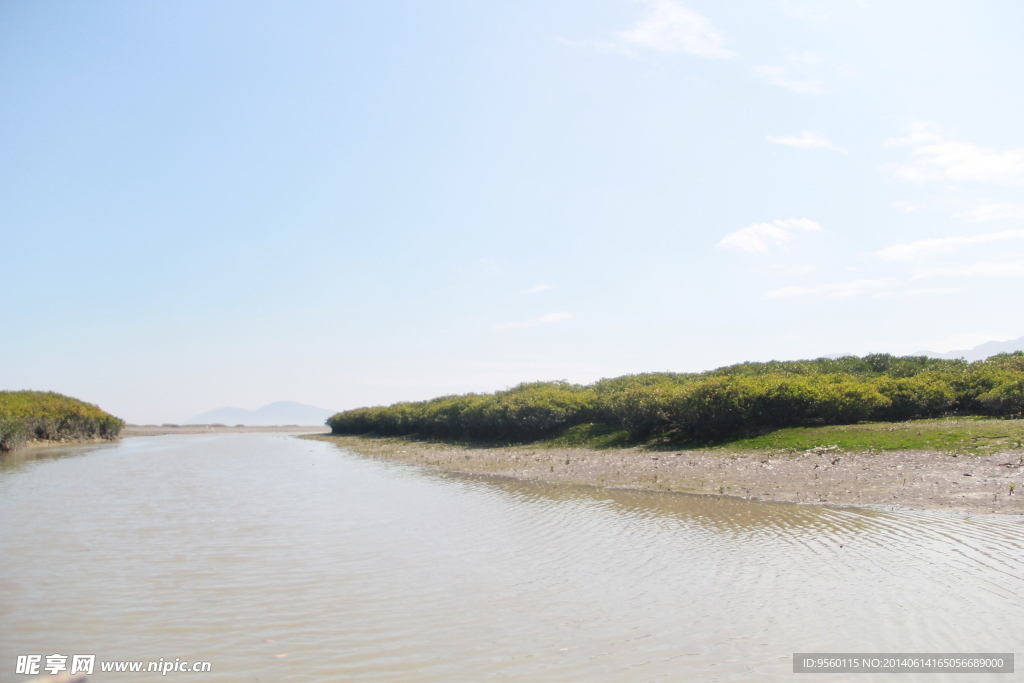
281, 559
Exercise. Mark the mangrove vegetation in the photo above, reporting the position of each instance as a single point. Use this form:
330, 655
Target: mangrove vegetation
743, 401
48, 416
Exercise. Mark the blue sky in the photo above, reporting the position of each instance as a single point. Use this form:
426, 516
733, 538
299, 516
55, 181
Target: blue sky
353, 203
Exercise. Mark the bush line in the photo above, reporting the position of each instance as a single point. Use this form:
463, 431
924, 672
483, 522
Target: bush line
727, 403
51, 416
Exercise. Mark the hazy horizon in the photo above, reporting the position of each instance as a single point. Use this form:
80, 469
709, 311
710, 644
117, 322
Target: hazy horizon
225, 204
980, 352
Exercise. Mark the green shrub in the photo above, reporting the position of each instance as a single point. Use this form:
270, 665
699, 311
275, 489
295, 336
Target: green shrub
846, 401
1013, 362
926, 395
524, 413
51, 416
1005, 399
529, 412
641, 408
12, 433
713, 408
720, 404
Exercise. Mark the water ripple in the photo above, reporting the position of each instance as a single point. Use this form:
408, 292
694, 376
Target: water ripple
289, 560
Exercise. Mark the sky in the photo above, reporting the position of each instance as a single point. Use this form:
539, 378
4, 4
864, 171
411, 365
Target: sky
218, 203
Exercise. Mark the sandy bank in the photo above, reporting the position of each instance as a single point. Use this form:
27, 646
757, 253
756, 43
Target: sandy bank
912, 479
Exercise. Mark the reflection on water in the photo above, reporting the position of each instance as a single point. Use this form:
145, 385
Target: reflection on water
10, 460
279, 559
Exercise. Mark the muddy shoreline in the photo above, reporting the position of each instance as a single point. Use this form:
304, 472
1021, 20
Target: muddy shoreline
923, 480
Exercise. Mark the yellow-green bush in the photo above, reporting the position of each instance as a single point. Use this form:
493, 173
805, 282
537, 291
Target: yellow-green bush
50, 416
721, 404
926, 395
524, 413
641, 408
1004, 399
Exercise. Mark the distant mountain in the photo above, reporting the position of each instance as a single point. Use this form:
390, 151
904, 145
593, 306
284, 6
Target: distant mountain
272, 414
980, 352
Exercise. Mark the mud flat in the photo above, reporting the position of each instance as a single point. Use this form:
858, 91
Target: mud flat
924, 480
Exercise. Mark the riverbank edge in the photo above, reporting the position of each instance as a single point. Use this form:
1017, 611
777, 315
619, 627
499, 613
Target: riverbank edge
919, 480
38, 444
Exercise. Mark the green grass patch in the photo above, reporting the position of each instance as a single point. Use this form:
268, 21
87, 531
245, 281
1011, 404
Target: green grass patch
966, 435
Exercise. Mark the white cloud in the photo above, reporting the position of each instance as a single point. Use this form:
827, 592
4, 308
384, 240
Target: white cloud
536, 289
929, 290
993, 212
796, 270
907, 207
755, 238
815, 13
674, 28
780, 76
806, 140
838, 290
943, 245
806, 57
555, 317
558, 317
935, 157
980, 269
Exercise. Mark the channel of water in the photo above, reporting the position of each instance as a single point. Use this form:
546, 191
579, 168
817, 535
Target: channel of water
282, 559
